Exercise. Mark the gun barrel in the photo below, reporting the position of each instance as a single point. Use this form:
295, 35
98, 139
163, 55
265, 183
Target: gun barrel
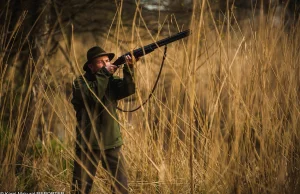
149, 48
173, 38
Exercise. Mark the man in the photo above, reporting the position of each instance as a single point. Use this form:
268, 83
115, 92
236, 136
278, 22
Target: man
98, 136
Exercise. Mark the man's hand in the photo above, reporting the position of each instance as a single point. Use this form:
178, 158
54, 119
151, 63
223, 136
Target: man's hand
111, 68
130, 61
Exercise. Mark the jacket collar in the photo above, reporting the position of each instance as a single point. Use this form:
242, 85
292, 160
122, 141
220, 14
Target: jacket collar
90, 76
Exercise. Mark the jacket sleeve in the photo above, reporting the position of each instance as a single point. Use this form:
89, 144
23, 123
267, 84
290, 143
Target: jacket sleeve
82, 94
125, 86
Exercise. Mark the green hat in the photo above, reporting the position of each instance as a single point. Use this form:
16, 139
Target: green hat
95, 52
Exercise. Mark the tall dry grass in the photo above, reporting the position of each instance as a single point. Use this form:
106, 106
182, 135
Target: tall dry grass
224, 119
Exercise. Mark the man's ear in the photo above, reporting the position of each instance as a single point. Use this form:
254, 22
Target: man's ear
90, 66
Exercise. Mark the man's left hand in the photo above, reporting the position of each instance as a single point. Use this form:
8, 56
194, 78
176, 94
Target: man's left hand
130, 61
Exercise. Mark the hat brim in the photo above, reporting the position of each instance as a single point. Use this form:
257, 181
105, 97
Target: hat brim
110, 56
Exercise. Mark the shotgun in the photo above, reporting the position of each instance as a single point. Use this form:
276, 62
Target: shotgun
151, 47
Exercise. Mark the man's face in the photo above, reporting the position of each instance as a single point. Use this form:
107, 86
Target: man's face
98, 63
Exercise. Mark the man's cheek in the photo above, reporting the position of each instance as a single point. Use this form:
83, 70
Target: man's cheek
99, 65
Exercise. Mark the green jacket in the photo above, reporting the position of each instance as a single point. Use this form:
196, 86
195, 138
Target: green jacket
97, 122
